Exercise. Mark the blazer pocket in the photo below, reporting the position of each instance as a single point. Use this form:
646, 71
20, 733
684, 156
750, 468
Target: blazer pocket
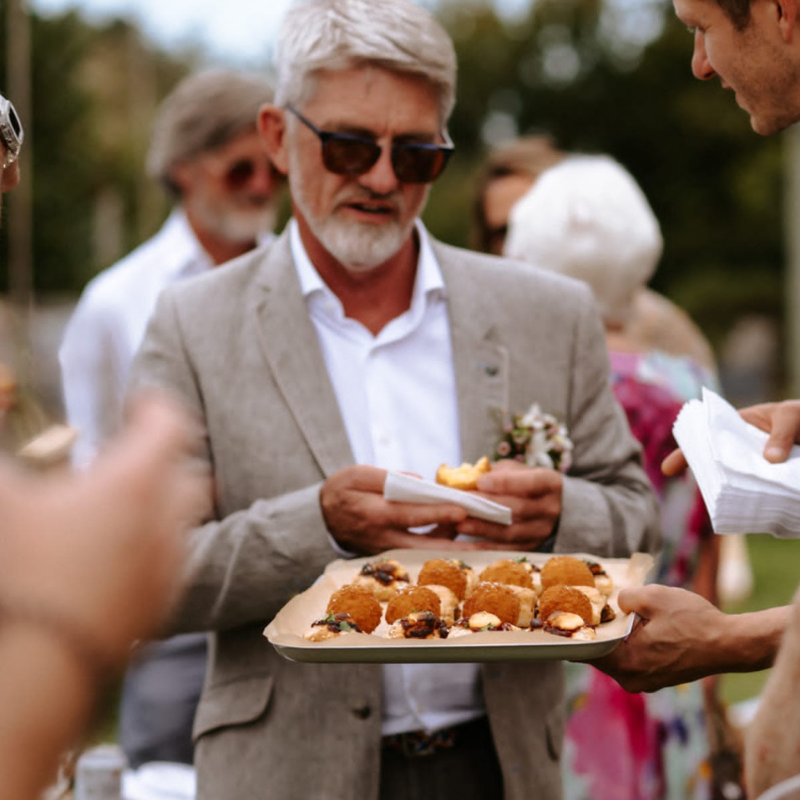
236, 703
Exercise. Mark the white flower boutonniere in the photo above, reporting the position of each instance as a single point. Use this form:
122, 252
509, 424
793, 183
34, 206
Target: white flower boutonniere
536, 439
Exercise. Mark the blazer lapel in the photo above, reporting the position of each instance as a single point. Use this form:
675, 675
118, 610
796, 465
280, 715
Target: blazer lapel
289, 343
481, 362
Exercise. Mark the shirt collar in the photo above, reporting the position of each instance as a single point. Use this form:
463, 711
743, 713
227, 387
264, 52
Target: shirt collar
428, 283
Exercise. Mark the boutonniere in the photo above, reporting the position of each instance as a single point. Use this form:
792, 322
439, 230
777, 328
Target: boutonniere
536, 439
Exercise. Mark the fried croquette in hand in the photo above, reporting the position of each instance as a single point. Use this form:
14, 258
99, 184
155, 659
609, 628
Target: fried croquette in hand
464, 477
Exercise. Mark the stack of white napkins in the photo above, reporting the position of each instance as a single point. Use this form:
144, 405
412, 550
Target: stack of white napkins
744, 493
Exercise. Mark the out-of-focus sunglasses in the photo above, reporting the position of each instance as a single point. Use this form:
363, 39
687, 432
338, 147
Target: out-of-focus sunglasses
347, 154
10, 130
240, 172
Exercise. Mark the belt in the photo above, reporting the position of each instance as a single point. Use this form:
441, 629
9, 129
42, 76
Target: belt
422, 743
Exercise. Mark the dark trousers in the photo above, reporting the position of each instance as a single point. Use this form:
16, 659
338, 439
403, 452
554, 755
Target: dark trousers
160, 694
469, 770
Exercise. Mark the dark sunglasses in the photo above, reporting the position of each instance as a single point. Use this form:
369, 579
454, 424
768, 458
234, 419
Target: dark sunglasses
238, 174
347, 154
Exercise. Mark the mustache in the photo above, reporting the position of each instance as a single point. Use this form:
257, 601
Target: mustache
363, 195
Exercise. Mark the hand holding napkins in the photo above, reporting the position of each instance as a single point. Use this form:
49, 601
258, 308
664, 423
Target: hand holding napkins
407, 489
744, 493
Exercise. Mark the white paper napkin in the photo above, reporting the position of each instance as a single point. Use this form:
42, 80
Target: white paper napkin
160, 780
406, 489
744, 493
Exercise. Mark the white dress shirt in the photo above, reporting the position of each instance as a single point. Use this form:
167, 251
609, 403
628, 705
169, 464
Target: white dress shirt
397, 396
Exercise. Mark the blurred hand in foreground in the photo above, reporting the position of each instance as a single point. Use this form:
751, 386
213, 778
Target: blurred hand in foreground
102, 550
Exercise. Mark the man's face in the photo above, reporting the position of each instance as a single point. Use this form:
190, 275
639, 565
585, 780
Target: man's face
231, 192
758, 63
361, 220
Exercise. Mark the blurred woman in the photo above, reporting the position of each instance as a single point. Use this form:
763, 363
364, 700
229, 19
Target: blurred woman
586, 217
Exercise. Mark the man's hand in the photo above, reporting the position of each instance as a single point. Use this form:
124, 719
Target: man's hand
362, 521
674, 641
534, 496
780, 420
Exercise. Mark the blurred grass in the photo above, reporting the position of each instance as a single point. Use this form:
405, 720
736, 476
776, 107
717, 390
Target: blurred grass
776, 575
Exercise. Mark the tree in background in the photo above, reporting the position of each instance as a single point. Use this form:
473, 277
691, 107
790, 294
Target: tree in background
95, 90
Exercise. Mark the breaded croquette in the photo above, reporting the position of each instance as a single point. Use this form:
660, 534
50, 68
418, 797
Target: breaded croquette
383, 578
464, 477
567, 599
566, 571
495, 598
445, 572
360, 603
507, 571
413, 598
449, 607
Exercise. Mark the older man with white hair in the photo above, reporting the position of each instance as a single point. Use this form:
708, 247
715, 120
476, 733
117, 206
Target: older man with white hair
356, 344
206, 153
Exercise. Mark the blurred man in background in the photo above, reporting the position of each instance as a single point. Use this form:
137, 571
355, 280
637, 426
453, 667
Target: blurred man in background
206, 153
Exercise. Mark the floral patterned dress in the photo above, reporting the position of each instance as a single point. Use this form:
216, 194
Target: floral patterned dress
622, 746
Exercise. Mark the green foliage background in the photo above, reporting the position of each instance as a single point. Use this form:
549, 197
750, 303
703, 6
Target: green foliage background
595, 81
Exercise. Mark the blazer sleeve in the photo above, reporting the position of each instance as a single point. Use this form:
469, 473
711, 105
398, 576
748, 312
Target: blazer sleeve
244, 567
609, 506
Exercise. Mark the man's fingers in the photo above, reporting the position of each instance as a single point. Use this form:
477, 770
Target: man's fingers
674, 463
784, 433
634, 601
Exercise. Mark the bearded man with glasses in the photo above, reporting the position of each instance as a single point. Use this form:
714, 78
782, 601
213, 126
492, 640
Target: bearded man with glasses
207, 154
355, 344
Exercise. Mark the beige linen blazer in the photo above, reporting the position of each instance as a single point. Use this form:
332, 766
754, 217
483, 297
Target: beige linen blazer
238, 347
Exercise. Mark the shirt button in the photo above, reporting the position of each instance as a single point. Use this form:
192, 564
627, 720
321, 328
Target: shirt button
362, 712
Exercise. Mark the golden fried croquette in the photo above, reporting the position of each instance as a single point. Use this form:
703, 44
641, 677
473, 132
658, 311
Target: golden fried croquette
507, 571
566, 571
495, 598
566, 599
383, 578
444, 572
449, 607
360, 603
413, 598
464, 477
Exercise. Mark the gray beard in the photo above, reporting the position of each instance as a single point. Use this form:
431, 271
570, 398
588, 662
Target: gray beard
358, 247
234, 225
